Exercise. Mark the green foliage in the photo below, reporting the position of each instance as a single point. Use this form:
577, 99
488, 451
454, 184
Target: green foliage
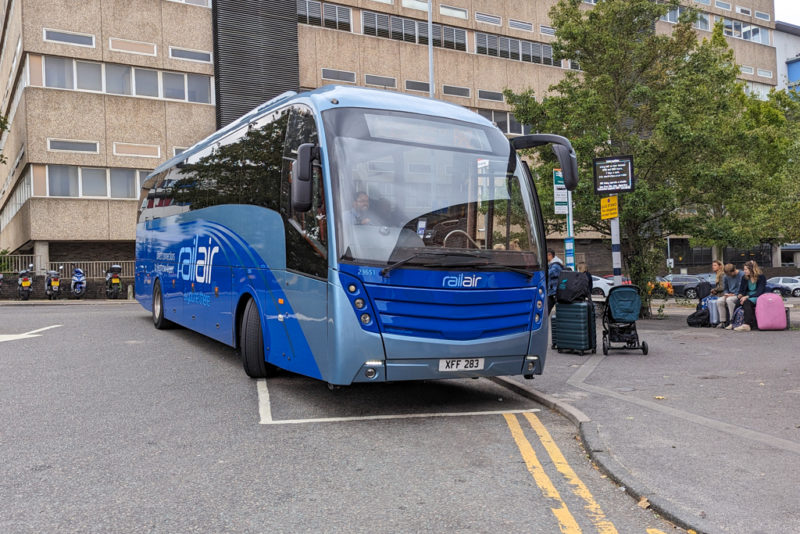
709, 160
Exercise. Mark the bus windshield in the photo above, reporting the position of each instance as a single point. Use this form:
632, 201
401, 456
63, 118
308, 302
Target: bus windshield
425, 190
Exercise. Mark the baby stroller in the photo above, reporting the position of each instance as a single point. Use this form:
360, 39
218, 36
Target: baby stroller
619, 319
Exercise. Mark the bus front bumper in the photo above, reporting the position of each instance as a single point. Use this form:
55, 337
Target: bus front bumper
438, 368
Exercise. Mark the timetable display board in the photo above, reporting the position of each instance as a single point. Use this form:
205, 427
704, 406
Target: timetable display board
613, 175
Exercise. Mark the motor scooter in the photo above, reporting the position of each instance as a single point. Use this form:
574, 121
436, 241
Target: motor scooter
25, 283
113, 282
78, 285
52, 283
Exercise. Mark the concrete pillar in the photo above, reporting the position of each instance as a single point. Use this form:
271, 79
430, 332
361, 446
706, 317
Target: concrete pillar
797, 259
715, 253
41, 253
776, 255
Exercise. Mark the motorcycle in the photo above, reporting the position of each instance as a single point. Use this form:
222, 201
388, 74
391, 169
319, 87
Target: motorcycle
113, 282
78, 285
25, 283
52, 283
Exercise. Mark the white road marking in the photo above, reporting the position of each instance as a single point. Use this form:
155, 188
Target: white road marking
265, 412
26, 335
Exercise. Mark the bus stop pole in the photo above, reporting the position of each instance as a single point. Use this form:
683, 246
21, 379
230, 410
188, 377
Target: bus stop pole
569, 242
616, 251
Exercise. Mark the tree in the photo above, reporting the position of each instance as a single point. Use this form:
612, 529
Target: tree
675, 104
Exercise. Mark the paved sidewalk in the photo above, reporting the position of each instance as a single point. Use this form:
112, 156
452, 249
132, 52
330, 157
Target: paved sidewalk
706, 426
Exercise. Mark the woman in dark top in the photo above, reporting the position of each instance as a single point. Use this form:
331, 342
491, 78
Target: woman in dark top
754, 284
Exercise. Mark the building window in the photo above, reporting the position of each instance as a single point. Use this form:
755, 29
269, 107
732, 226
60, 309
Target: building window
198, 88
422, 5
189, 55
530, 52
339, 75
123, 183
66, 145
520, 25
704, 2
118, 79
136, 150
743, 10
505, 121
456, 12
380, 81
327, 15
174, 85
89, 76
146, 82
412, 31
723, 5
132, 47
453, 90
746, 70
489, 19
547, 30
94, 182
764, 73
62, 181
490, 95
744, 30
77, 39
763, 16
422, 87
201, 3
58, 72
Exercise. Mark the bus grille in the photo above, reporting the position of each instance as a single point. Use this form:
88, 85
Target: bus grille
460, 315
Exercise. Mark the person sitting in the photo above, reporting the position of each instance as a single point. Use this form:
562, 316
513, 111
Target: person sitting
727, 299
754, 284
554, 268
360, 213
583, 268
716, 266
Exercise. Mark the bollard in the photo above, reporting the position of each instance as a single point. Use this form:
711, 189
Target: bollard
130, 291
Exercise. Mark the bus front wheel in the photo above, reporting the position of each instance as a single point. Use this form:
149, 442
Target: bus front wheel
158, 308
251, 343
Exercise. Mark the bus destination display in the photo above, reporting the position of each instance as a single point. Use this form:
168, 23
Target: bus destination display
613, 175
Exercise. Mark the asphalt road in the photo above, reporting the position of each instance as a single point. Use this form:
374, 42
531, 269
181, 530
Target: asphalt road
108, 425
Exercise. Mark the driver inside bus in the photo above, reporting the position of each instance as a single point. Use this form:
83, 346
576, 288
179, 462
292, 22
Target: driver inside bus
360, 213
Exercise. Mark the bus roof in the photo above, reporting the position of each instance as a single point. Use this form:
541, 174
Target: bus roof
335, 96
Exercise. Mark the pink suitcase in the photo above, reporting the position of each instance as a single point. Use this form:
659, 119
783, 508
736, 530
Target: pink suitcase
770, 313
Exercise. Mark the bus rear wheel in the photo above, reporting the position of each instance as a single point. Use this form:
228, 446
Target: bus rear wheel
251, 344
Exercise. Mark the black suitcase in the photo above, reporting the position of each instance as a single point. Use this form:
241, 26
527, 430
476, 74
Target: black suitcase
574, 328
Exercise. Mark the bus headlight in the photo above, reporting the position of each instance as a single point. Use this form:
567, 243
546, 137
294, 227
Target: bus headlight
352, 288
538, 304
359, 303
365, 318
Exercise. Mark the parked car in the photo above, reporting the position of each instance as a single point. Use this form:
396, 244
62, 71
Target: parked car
792, 283
711, 278
684, 285
600, 286
625, 279
778, 289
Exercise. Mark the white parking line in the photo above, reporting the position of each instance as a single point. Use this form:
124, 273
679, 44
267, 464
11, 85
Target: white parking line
26, 335
265, 412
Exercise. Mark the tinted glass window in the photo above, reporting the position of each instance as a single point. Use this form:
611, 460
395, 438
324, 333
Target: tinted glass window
306, 233
245, 169
62, 180
58, 72
118, 79
146, 82
89, 76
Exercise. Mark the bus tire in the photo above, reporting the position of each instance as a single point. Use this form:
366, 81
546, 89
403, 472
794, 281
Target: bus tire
158, 308
251, 343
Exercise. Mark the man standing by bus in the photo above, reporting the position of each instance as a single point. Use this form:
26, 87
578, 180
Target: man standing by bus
554, 268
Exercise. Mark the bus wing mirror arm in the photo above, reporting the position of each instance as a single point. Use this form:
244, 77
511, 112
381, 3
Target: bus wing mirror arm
302, 173
562, 149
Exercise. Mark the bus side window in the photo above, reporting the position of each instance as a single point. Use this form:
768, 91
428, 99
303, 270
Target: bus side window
306, 233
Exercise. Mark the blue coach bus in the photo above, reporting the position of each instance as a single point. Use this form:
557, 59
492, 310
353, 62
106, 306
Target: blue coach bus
353, 235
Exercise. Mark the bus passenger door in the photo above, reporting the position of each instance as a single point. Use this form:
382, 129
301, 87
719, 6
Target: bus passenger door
305, 279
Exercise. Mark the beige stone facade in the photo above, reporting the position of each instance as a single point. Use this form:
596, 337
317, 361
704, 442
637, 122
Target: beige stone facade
116, 86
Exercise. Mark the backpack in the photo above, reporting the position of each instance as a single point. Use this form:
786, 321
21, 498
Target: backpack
698, 319
572, 286
738, 317
703, 290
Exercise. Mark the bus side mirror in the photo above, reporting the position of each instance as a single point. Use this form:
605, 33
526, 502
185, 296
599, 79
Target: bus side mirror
562, 149
302, 174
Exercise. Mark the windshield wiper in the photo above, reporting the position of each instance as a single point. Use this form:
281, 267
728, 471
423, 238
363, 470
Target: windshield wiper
477, 255
386, 270
494, 265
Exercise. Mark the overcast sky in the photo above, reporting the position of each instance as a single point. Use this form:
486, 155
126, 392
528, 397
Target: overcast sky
788, 11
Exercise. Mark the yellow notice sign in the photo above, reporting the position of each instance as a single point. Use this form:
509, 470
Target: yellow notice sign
609, 207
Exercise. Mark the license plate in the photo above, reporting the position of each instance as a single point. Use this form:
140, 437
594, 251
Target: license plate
115, 280
461, 364
54, 283
26, 283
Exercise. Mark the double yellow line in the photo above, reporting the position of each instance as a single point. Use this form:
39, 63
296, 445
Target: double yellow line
565, 519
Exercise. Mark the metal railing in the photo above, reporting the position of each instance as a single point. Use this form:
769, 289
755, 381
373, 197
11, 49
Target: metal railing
12, 264
94, 269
